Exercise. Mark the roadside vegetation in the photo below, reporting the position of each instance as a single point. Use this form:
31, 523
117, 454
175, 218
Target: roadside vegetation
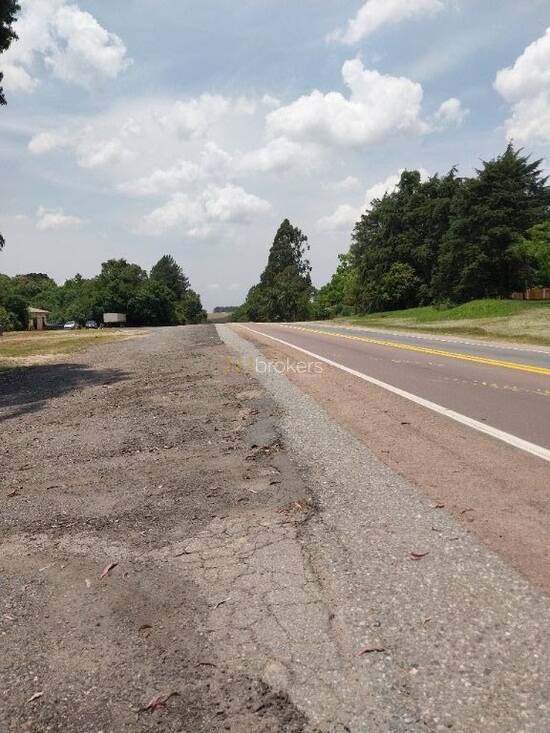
28, 347
162, 297
498, 319
433, 246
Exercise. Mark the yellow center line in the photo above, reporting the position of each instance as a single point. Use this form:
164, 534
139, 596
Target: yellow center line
532, 369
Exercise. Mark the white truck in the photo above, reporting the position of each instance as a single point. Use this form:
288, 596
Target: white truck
114, 319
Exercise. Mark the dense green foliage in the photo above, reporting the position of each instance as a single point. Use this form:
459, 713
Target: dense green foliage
169, 273
8, 11
159, 299
284, 291
447, 240
337, 297
535, 249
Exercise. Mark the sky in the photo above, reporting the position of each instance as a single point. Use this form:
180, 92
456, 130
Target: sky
145, 127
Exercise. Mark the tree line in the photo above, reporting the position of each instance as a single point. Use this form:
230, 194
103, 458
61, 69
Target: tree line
442, 241
162, 297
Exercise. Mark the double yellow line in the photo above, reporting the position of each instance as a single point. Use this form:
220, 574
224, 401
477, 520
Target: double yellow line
532, 369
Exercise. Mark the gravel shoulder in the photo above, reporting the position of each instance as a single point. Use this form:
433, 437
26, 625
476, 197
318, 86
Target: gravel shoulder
156, 464
455, 638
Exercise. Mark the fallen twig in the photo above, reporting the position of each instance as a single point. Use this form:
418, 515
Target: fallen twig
158, 701
370, 650
107, 569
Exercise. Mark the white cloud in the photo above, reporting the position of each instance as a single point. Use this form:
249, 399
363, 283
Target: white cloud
70, 42
346, 184
84, 49
375, 14
47, 219
90, 152
379, 107
232, 203
344, 217
280, 154
213, 163
16, 79
451, 112
197, 215
195, 116
526, 86
271, 101
347, 215
162, 180
100, 153
44, 142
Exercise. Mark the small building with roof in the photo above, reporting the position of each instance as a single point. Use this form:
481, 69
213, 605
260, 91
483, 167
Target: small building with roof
38, 319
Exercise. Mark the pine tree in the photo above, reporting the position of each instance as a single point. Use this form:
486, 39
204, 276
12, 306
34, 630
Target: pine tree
492, 212
169, 273
284, 291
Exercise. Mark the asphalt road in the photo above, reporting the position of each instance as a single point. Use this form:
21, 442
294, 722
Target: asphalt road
506, 388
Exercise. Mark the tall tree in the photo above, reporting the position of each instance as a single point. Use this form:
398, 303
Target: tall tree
402, 233
284, 291
492, 212
8, 11
119, 281
169, 273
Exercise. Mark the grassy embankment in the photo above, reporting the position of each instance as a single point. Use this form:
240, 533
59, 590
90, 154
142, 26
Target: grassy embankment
501, 320
21, 348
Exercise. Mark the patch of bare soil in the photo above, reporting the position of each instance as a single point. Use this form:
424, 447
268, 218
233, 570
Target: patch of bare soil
115, 466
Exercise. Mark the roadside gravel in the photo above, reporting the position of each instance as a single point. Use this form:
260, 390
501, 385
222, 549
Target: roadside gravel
454, 639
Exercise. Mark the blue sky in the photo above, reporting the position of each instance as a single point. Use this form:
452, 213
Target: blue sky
139, 128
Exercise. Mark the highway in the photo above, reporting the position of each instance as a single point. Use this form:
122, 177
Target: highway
466, 422
499, 389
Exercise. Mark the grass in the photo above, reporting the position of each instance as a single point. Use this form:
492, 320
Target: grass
25, 347
504, 320
222, 317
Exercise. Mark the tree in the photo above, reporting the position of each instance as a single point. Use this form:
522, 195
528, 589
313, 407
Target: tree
189, 309
491, 213
535, 250
8, 11
284, 291
338, 296
119, 281
169, 273
405, 227
152, 305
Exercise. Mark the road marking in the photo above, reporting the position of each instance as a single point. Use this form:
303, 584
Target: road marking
513, 440
531, 368
425, 336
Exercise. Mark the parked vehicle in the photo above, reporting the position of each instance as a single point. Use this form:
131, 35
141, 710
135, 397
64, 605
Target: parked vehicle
91, 324
114, 319
71, 326
55, 326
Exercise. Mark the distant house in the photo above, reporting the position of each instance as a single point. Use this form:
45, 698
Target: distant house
38, 319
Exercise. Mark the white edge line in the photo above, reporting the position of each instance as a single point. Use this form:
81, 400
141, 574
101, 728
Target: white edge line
524, 445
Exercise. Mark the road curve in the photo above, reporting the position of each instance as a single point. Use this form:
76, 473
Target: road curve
504, 388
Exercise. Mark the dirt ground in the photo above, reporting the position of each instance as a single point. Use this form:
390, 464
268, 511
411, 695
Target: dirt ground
160, 459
